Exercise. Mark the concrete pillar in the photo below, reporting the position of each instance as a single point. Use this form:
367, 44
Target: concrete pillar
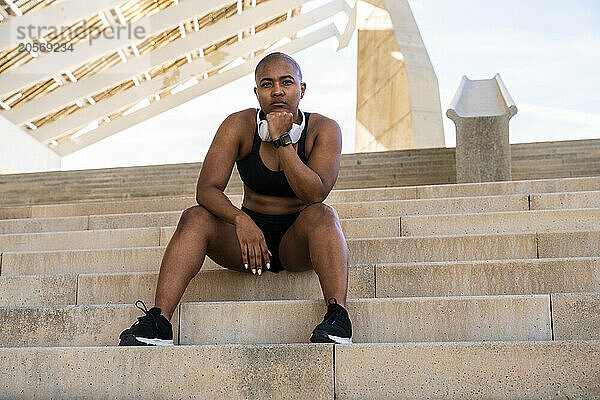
398, 104
481, 111
19, 152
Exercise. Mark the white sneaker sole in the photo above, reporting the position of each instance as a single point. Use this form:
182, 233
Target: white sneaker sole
340, 340
155, 342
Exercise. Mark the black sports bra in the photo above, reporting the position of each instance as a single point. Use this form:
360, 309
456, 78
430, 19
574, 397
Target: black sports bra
259, 177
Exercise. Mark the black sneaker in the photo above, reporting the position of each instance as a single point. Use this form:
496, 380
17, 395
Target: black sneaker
153, 329
336, 326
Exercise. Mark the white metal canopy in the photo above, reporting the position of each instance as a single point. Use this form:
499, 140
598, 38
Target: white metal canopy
105, 83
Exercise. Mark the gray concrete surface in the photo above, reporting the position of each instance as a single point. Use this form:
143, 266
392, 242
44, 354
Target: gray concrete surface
526, 370
481, 110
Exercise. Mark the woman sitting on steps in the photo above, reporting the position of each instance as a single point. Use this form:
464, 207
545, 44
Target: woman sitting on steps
289, 162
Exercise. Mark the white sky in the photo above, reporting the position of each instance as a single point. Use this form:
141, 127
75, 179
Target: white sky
547, 53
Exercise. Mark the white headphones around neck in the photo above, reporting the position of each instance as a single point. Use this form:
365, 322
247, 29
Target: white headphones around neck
263, 128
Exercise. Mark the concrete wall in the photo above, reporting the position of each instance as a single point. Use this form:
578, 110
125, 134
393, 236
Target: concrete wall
384, 119
19, 152
398, 102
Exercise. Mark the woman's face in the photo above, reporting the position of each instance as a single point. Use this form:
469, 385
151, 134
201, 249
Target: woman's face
278, 87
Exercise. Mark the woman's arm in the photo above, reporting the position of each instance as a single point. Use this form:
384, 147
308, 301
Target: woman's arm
312, 182
214, 175
216, 170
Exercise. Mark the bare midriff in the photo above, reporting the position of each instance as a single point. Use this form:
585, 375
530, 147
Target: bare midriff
271, 204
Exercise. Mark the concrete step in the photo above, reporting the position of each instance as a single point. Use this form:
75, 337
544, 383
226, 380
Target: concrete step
375, 167
85, 261
437, 191
499, 370
399, 176
577, 316
538, 201
550, 370
28, 225
389, 208
539, 158
144, 237
378, 177
556, 146
555, 174
208, 285
144, 213
502, 222
549, 149
353, 228
373, 320
49, 195
291, 321
70, 325
168, 203
568, 244
34, 290
358, 174
20, 200
565, 163
373, 209
191, 168
96, 239
348, 160
386, 208
470, 278
488, 277
510, 187
428, 191
295, 372
537, 164
568, 200
361, 251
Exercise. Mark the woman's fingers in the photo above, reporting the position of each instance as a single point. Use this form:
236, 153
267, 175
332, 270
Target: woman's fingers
244, 248
259, 257
265, 254
256, 255
252, 257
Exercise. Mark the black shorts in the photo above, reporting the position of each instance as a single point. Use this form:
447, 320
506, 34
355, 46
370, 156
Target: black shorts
273, 228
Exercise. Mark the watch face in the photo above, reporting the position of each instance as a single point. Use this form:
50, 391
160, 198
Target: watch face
286, 139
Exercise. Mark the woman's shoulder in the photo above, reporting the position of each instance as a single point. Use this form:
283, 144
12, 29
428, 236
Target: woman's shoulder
242, 125
317, 122
241, 122
243, 116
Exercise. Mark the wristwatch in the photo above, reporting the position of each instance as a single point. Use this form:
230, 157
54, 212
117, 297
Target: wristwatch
284, 140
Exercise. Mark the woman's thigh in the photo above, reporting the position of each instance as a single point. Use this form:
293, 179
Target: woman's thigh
316, 222
293, 248
224, 247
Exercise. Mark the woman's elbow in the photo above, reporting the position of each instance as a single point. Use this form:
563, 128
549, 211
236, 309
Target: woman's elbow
313, 198
200, 194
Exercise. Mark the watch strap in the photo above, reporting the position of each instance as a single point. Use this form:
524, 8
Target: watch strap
281, 141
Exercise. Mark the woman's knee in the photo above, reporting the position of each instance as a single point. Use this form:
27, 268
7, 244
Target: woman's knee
196, 217
319, 214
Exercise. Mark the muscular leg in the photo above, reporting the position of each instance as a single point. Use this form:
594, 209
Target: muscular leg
316, 239
198, 233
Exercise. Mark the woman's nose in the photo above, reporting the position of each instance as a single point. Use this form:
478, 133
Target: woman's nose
277, 89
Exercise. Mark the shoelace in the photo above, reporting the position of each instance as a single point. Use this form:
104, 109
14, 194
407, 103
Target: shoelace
144, 320
333, 314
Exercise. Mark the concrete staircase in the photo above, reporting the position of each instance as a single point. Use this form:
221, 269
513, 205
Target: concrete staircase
455, 291
391, 168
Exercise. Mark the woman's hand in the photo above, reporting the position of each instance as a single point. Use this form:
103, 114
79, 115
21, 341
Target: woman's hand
255, 252
279, 122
